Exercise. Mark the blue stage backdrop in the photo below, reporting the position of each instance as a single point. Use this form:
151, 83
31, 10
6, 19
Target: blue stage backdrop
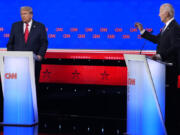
89, 24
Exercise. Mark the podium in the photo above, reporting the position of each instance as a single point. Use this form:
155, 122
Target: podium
19, 90
145, 96
14, 130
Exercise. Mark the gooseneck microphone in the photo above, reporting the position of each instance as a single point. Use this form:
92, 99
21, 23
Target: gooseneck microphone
143, 45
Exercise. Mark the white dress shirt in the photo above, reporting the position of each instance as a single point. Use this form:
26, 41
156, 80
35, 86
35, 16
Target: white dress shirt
168, 22
29, 27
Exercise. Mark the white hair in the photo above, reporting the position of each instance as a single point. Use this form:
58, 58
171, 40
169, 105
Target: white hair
169, 8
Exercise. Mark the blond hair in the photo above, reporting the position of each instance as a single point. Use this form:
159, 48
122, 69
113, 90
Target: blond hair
27, 8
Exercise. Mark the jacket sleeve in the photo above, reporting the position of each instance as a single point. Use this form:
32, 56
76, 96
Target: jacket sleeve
43, 41
10, 44
150, 37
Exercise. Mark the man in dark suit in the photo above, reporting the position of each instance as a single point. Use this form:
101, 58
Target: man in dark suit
168, 50
29, 35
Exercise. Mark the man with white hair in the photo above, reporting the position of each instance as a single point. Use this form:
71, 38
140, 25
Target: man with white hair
168, 50
29, 35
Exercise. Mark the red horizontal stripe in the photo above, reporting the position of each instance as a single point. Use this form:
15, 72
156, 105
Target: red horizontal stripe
83, 74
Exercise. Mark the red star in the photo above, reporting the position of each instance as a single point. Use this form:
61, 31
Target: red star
46, 74
75, 74
104, 75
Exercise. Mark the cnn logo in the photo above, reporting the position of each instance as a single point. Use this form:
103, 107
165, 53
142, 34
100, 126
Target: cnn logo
11, 75
131, 81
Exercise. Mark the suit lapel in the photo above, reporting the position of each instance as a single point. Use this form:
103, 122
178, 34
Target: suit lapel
21, 28
169, 26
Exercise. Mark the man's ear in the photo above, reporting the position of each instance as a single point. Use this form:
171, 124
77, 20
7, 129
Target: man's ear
32, 15
168, 14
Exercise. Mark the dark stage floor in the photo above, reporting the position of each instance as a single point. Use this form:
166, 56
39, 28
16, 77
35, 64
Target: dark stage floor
69, 125
76, 110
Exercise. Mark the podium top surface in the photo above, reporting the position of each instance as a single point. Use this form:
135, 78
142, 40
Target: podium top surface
134, 57
17, 53
144, 58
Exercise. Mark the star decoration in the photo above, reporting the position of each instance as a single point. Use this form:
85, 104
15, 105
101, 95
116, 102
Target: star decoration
76, 74
46, 74
104, 75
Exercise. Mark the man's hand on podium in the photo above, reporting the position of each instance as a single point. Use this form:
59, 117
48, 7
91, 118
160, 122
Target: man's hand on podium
156, 57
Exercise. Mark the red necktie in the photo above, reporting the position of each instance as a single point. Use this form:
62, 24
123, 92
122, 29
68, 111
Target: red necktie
26, 33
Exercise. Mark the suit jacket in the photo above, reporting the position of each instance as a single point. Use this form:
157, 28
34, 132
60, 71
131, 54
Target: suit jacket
37, 39
168, 43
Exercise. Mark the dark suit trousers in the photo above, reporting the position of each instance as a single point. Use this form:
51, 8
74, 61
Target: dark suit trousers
172, 100
37, 76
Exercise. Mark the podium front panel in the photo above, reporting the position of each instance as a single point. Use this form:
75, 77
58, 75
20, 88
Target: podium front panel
158, 74
18, 107
143, 116
13, 130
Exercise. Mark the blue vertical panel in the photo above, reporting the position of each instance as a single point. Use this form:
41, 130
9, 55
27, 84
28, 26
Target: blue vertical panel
18, 104
20, 130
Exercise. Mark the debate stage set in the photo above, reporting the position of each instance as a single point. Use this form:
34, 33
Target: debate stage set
83, 92
97, 77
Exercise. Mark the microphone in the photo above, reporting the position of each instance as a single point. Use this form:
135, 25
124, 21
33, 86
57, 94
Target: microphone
144, 43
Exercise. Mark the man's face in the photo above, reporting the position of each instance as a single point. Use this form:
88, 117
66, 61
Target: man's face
26, 16
163, 14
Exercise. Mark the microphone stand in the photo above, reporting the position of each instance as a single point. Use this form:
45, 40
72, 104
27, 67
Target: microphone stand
142, 47
144, 44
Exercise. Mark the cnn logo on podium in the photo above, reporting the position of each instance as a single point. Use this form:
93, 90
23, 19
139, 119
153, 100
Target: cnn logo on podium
11, 75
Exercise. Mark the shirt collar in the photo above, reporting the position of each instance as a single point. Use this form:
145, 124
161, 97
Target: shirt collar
168, 22
30, 23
